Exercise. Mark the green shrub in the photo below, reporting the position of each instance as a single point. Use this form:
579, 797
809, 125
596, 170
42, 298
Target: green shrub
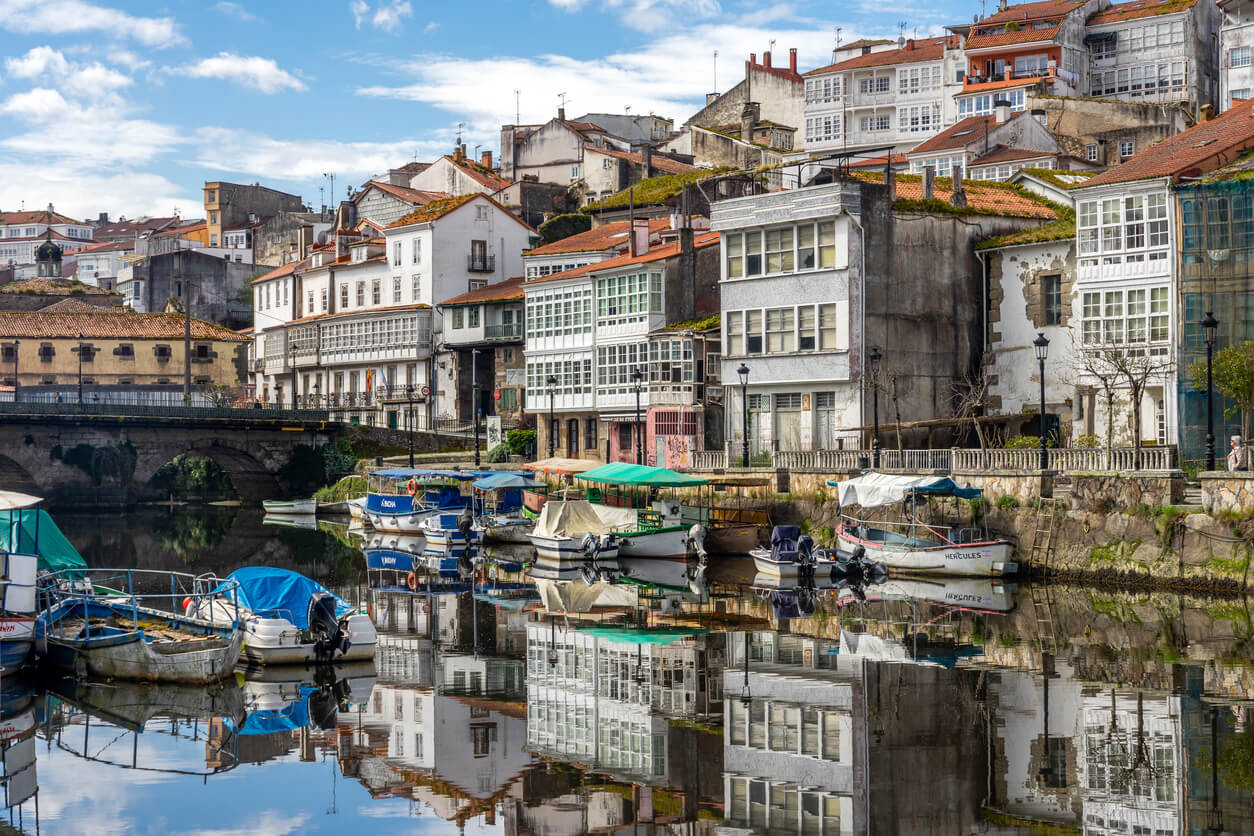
520, 442
1087, 442
563, 226
499, 453
1007, 501
1024, 442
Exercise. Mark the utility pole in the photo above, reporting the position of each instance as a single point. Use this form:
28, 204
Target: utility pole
474, 400
187, 330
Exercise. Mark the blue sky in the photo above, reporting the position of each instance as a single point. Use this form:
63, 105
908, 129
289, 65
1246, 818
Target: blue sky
129, 107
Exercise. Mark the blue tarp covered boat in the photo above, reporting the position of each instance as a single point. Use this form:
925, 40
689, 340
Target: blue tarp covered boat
270, 591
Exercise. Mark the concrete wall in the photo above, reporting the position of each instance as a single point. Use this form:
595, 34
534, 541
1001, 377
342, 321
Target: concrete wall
1079, 122
782, 101
215, 284
286, 233
713, 149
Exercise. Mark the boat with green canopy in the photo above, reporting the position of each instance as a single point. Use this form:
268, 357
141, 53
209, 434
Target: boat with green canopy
624, 511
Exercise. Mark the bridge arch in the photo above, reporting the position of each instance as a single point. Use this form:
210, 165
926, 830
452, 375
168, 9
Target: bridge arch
14, 477
249, 475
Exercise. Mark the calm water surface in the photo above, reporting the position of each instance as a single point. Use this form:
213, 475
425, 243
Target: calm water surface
950, 708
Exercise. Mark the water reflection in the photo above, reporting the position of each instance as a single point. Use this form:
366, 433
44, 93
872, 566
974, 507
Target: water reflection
499, 704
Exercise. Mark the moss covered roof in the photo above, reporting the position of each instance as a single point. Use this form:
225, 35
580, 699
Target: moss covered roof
1061, 179
703, 324
654, 189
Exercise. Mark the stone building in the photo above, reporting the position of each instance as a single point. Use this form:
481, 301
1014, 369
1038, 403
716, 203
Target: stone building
121, 352
217, 287
483, 331
779, 92
227, 204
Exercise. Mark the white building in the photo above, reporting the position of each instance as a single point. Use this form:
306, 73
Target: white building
1236, 40
897, 97
1154, 52
355, 327
993, 147
22, 232
99, 264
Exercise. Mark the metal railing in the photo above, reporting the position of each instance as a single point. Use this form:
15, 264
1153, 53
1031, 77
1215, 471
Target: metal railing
512, 331
481, 263
1065, 460
256, 411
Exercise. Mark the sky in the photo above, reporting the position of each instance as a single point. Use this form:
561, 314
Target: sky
128, 108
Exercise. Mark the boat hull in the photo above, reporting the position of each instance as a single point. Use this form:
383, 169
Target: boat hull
989, 559
567, 549
292, 507
276, 641
731, 539
672, 543
130, 657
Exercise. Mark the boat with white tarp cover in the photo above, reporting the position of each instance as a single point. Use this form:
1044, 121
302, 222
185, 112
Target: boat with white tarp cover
890, 526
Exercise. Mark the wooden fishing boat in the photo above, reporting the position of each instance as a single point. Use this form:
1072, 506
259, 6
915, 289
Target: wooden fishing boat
140, 632
910, 544
291, 507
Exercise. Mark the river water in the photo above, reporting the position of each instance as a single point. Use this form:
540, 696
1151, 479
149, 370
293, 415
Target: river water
929, 708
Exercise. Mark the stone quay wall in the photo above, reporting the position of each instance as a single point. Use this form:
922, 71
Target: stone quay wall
1113, 490
1230, 492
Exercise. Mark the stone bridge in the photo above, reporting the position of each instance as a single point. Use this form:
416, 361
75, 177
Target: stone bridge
110, 459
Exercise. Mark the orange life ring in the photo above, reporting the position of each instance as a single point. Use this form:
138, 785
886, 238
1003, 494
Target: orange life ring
412, 582
412, 486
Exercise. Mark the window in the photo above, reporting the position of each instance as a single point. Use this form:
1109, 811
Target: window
161, 352
213, 196
1118, 317
559, 313
46, 352
590, 433
880, 84
628, 298
822, 90
879, 122
779, 330
823, 128
1031, 65
396, 253
459, 320
213, 217
417, 251
574, 377
323, 299
125, 351
310, 308
472, 316
1239, 57
1090, 153
615, 364
396, 291
574, 172
787, 249
1239, 93
1051, 299
919, 119
753, 332
361, 294
343, 296
376, 292
1126, 149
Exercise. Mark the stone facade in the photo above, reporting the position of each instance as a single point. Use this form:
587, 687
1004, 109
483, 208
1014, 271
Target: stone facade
1232, 492
1023, 485
1107, 491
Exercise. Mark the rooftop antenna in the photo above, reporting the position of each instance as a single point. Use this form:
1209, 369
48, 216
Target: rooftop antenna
517, 107
477, 147
562, 96
460, 125
771, 46
715, 87
838, 31
901, 29
627, 109
331, 191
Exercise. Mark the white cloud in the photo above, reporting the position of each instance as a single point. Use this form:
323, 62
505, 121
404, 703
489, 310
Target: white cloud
670, 76
430, 27
81, 193
236, 11
46, 65
128, 59
273, 822
261, 74
37, 17
650, 15
386, 16
230, 150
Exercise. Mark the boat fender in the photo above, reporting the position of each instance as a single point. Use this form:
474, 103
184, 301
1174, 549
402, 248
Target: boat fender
411, 580
188, 606
412, 487
426, 608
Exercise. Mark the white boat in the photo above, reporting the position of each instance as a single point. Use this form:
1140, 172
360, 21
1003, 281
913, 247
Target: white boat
982, 594
503, 520
911, 545
575, 529
289, 619
290, 507
445, 531
357, 508
399, 499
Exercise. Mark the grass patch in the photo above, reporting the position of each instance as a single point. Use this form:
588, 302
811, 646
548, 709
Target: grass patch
347, 488
1007, 501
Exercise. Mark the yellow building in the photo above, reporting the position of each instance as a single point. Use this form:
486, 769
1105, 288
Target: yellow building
120, 350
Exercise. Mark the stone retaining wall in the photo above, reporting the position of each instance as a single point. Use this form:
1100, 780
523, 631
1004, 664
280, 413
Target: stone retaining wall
1106, 491
1233, 492
1023, 485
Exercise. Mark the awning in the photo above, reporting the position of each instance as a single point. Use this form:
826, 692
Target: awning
422, 473
875, 490
558, 464
640, 475
641, 635
503, 481
14, 501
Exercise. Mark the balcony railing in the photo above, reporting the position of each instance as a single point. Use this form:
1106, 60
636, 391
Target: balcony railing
511, 331
481, 263
1064, 460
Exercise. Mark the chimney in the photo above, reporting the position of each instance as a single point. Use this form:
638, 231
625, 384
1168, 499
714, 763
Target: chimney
766, 58
929, 176
749, 117
639, 236
792, 60
890, 180
485, 159
646, 161
457, 153
1001, 108
1208, 112
711, 98
959, 197
1039, 115
753, 59
561, 114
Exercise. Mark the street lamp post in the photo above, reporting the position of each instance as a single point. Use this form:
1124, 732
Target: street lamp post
637, 376
1041, 344
743, 371
409, 393
291, 359
474, 399
1210, 326
874, 359
551, 382
17, 381
80, 371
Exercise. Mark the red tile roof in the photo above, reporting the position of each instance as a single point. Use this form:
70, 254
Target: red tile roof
861, 42
54, 287
1020, 36
108, 247
56, 236
417, 197
1139, 9
872, 162
438, 209
505, 291
106, 323
665, 165
70, 306
1002, 84
1201, 148
36, 216
608, 236
481, 174
185, 229
655, 253
246, 224
915, 51
282, 270
983, 196
1007, 153
957, 136
1032, 11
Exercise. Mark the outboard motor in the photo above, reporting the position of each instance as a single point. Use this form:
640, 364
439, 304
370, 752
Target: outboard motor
324, 627
589, 574
696, 541
330, 697
696, 579
805, 549
590, 546
464, 523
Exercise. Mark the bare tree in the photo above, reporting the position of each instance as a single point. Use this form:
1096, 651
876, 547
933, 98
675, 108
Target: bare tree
1132, 367
971, 401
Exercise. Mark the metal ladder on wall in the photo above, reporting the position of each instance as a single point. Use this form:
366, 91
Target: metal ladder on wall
1046, 522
